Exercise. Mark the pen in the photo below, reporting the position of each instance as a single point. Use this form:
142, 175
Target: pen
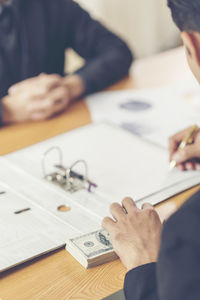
188, 139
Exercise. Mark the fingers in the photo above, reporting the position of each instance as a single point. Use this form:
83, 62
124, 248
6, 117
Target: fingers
189, 152
60, 93
34, 102
59, 99
20, 86
147, 206
49, 110
197, 166
190, 166
38, 84
41, 115
181, 167
117, 211
175, 140
56, 101
108, 224
128, 204
50, 81
185, 157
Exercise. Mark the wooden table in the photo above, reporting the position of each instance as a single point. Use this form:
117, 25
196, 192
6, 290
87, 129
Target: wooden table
58, 276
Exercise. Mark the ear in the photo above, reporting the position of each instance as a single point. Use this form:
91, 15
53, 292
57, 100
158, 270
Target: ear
192, 45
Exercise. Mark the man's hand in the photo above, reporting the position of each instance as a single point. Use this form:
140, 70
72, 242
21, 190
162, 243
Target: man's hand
188, 158
135, 233
40, 98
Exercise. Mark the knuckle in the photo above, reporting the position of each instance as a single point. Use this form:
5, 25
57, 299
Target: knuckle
127, 200
106, 219
113, 206
150, 212
147, 205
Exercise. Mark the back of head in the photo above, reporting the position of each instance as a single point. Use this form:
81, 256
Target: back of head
186, 14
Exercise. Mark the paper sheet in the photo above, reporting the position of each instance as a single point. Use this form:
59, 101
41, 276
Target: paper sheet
154, 114
120, 163
25, 235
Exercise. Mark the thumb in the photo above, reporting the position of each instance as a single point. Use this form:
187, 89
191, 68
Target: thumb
189, 152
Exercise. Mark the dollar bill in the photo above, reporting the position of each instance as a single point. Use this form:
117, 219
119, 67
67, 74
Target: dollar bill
92, 249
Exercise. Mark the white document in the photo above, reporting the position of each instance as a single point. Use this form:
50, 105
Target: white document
154, 114
121, 164
118, 162
27, 234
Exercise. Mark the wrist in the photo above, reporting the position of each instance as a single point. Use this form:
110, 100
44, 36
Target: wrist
141, 262
75, 86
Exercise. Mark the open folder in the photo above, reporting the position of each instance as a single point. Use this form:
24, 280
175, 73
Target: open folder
38, 214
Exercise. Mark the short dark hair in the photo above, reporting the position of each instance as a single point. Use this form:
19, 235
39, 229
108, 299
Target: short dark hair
186, 14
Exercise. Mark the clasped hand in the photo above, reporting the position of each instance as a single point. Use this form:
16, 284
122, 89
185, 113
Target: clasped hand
40, 98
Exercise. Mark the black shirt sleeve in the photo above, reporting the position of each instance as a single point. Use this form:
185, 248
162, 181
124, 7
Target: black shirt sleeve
178, 269
141, 283
107, 57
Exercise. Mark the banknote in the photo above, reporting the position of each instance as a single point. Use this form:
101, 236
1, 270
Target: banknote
92, 249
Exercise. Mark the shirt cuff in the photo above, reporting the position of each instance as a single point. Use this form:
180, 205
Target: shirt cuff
90, 86
140, 283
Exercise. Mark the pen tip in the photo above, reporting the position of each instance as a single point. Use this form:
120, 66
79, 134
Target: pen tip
172, 165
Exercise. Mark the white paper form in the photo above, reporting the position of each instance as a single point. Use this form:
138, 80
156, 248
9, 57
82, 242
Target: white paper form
154, 114
40, 227
46, 196
120, 163
27, 234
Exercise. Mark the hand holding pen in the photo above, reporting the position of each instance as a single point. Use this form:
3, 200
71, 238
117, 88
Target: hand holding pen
184, 149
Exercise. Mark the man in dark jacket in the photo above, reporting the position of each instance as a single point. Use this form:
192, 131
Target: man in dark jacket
167, 267
175, 273
34, 35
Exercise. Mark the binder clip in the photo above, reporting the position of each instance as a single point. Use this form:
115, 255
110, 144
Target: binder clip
66, 177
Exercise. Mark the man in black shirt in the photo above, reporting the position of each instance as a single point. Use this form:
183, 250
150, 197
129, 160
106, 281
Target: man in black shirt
167, 267
34, 35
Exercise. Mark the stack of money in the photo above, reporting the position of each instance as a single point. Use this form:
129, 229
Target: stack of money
92, 249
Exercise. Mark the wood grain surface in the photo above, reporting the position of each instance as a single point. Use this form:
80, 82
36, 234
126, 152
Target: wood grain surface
58, 276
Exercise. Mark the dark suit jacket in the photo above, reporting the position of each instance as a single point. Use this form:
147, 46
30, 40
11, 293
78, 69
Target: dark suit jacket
176, 276
34, 35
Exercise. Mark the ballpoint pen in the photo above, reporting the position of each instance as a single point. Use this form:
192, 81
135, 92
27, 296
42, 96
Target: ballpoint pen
188, 139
